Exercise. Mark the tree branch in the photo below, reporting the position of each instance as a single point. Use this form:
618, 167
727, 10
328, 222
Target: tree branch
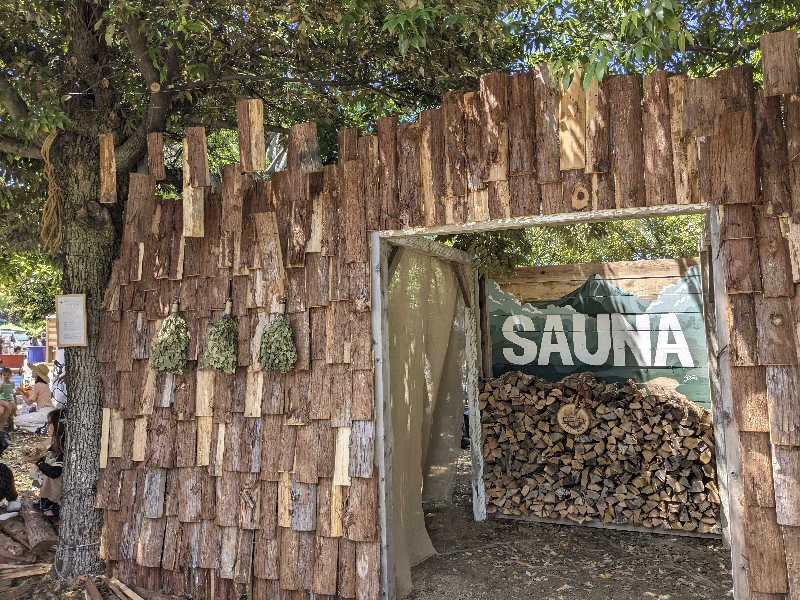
20, 149
12, 101
139, 49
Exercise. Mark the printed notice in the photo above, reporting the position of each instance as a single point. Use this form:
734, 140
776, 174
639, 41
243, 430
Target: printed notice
71, 320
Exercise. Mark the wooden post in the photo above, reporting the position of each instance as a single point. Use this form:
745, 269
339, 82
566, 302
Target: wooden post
628, 150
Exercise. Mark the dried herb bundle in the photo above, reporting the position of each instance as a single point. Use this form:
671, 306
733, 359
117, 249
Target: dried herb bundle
171, 342
222, 345
278, 352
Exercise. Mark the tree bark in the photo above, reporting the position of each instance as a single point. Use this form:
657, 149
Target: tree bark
87, 248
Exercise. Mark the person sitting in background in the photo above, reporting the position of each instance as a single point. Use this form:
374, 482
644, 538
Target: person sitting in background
41, 396
7, 407
28, 405
8, 493
49, 468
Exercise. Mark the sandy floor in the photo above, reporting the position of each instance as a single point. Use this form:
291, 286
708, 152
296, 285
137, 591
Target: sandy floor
509, 560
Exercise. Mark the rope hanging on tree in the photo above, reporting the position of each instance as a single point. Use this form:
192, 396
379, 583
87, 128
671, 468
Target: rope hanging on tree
170, 344
222, 341
50, 225
278, 352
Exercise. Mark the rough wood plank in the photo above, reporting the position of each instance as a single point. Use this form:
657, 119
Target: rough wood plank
572, 124
387, 157
342, 457
749, 395
347, 568
493, 96
756, 469
784, 405
250, 126
361, 514
408, 177
786, 473
791, 542
155, 155
326, 565
684, 148
431, 159
108, 169
362, 449
303, 512
473, 142
354, 213
548, 152
628, 150
741, 316
656, 129
195, 157
598, 129
455, 159
766, 556
772, 155
731, 155
740, 257
305, 455
779, 61
368, 568
371, 181
773, 317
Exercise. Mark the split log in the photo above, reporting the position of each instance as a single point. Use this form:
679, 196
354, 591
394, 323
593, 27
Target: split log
40, 534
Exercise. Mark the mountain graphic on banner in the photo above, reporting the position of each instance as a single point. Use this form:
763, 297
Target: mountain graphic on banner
603, 328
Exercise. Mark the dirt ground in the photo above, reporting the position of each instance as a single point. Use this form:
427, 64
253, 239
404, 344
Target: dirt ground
510, 560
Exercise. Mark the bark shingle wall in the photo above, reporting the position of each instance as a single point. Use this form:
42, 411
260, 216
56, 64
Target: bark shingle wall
213, 482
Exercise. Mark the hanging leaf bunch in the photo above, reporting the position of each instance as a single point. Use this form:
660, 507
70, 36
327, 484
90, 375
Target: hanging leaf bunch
278, 352
170, 344
222, 345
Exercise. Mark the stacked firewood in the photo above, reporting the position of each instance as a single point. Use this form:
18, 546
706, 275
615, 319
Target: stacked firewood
642, 460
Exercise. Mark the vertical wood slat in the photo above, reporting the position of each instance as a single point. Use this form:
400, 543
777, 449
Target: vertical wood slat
108, 169
431, 164
371, 181
408, 176
657, 139
572, 125
598, 128
155, 155
684, 148
772, 155
493, 96
779, 61
731, 156
628, 150
387, 158
792, 128
455, 166
250, 125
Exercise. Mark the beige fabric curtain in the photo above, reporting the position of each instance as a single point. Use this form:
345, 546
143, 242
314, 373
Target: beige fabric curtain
423, 296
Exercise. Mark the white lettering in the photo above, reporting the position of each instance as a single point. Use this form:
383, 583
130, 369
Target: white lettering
670, 323
600, 356
637, 339
528, 346
553, 325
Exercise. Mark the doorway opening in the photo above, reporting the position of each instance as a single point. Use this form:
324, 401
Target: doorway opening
385, 256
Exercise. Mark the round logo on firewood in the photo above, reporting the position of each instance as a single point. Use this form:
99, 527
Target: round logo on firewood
572, 419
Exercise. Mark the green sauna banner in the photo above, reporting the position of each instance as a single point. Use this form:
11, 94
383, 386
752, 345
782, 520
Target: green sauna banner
609, 331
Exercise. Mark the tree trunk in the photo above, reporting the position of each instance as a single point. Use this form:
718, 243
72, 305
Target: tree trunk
87, 250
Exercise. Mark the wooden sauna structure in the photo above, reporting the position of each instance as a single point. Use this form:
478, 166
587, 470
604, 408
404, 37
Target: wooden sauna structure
280, 484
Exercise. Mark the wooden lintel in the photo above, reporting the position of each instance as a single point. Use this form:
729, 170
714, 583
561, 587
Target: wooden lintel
593, 216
